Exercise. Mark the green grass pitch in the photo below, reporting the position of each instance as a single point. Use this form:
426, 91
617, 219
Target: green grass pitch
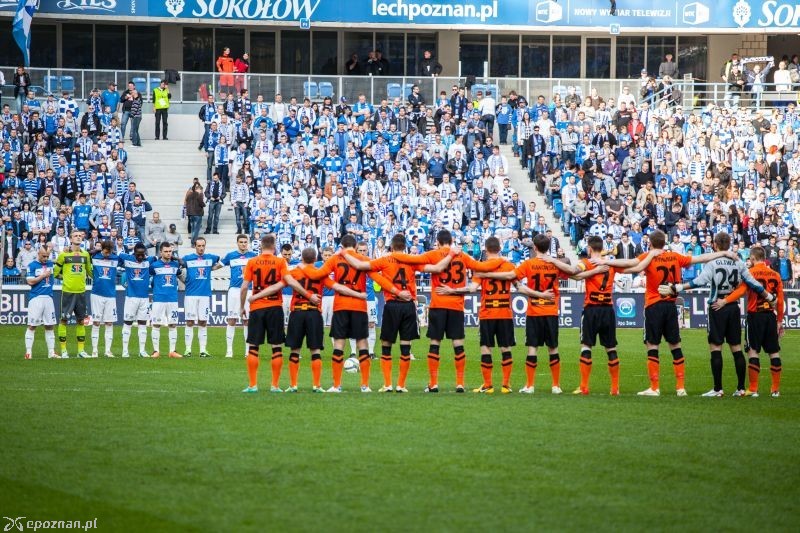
173, 445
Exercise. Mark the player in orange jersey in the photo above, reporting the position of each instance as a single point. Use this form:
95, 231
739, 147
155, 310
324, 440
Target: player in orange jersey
446, 311
660, 312
266, 314
764, 328
542, 273
598, 317
496, 317
350, 318
399, 316
305, 319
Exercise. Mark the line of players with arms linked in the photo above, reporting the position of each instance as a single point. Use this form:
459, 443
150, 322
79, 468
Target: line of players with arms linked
258, 281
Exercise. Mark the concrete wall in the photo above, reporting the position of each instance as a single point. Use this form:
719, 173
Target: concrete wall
448, 43
720, 48
171, 46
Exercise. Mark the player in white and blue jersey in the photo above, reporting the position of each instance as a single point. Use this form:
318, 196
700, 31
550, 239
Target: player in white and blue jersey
165, 271
327, 294
104, 296
287, 252
372, 309
237, 260
197, 300
137, 297
41, 309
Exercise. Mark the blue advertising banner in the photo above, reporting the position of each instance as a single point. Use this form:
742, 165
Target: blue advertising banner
529, 14
629, 309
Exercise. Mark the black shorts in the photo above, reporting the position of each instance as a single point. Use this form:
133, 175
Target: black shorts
305, 324
599, 320
499, 329
725, 325
661, 320
349, 325
762, 332
541, 330
266, 324
73, 302
399, 317
443, 322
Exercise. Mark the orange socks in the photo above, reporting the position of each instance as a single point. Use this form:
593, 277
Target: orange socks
530, 370
294, 368
461, 364
679, 367
508, 364
555, 369
586, 370
386, 365
277, 366
433, 364
613, 369
405, 365
364, 365
486, 369
753, 370
337, 364
316, 370
775, 373
652, 368
252, 365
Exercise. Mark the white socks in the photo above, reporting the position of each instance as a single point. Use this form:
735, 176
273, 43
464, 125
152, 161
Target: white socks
126, 338
142, 330
50, 339
96, 338
244, 331
230, 333
202, 336
155, 336
173, 339
371, 340
30, 334
109, 334
188, 337
353, 346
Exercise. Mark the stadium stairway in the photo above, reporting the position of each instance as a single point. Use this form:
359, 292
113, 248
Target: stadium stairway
163, 171
528, 192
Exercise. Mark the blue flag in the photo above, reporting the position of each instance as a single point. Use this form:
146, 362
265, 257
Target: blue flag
22, 27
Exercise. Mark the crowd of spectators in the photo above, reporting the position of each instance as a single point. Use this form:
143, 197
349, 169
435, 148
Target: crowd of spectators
64, 166
310, 171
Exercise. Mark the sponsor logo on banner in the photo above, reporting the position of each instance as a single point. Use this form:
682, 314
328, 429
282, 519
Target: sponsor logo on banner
174, 7
256, 9
87, 5
549, 12
696, 13
741, 13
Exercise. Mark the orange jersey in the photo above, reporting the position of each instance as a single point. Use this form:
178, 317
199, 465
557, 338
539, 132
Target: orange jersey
313, 286
263, 271
350, 277
402, 275
771, 281
599, 286
496, 296
541, 276
454, 276
662, 270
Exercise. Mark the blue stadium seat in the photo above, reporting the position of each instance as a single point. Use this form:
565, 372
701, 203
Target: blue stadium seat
140, 84
558, 207
560, 90
51, 84
325, 89
495, 91
394, 90
478, 87
310, 89
407, 90
68, 83
154, 83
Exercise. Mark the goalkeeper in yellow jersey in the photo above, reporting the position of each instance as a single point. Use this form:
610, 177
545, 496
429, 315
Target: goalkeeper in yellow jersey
73, 266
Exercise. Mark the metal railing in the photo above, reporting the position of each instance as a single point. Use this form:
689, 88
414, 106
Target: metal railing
194, 87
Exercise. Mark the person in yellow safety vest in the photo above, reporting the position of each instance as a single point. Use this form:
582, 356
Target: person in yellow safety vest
161, 97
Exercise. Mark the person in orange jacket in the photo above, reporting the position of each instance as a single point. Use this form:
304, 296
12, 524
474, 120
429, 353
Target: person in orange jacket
226, 67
